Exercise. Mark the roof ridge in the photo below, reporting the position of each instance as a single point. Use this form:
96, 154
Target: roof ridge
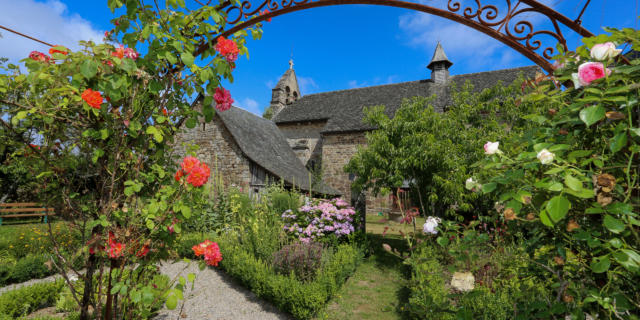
492, 71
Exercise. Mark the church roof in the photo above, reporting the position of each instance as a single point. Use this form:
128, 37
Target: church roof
263, 143
343, 110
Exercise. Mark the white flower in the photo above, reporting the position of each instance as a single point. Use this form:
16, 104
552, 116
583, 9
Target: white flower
604, 51
545, 156
491, 147
469, 184
472, 185
430, 225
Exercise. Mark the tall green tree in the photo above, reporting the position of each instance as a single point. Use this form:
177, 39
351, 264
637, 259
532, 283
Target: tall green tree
435, 151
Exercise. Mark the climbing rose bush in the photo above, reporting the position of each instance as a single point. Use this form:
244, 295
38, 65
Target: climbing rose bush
571, 185
319, 219
106, 117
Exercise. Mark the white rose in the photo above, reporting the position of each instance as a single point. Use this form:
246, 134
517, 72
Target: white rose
491, 147
430, 225
576, 80
545, 156
604, 51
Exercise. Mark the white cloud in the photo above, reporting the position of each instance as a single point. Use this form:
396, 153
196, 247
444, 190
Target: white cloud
250, 105
48, 21
307, 85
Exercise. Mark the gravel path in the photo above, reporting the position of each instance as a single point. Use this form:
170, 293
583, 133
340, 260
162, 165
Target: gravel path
216, 297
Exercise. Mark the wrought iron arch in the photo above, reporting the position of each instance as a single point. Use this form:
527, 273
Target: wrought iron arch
509, 26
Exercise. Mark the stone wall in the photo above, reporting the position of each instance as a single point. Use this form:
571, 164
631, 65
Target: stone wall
337, 150
305, 140
218, 149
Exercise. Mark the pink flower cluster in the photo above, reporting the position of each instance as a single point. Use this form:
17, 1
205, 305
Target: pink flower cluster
223, 99
123, 52
39, 56
197, 173
319, 219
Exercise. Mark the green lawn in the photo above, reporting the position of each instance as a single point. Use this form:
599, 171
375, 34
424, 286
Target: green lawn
377, 289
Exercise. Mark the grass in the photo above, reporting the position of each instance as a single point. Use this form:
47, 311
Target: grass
18, 240
377, 290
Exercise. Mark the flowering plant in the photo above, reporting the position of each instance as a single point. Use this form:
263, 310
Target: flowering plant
320, 219
107, 116
574, 188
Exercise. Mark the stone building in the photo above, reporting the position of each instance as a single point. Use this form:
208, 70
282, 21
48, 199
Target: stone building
323, 131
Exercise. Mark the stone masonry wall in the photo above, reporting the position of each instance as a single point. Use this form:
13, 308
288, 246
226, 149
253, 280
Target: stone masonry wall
305, 140
218, 149
337, 150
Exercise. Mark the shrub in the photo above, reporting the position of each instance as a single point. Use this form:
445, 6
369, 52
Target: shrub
301, 299
24, 300
303, 259
504, 288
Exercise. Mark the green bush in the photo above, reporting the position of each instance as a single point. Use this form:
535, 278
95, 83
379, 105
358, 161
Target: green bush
303, 259
301, 299
25, 300
505, 288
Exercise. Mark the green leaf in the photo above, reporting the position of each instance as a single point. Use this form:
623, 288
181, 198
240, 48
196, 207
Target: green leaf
150, 224
582, 193
97, 153
555, 186
442, 241
558, 207
182, 280
155, 86
191, 277
172, 302
573, 183
614, 225
187, 59
89, 68
629, 259
128, 65
601, 265
544, 218
191, 123
489, 187
592, 114
186, 211
618, 142
635, 131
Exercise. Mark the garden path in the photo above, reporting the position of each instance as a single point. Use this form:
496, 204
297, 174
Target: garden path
216, 296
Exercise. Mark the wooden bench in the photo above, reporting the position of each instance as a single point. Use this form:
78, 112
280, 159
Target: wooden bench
25, 210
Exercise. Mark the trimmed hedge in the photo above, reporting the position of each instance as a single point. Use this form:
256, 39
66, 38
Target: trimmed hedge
25, 300
27, 268
302, 299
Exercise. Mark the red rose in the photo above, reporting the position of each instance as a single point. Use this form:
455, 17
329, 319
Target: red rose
223, 99
54, 50
93, 98
227, 48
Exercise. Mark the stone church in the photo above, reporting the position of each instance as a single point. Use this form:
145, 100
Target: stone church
319, 132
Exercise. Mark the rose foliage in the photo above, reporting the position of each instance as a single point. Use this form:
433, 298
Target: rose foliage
105, 118
571, 185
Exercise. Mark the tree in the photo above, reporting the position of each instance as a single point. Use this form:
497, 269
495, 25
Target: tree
435, 151
129, 202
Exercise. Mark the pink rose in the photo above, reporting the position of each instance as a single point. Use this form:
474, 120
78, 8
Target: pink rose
491, 147
223, 99
589, 71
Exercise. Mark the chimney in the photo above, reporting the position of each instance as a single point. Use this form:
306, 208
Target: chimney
439, 66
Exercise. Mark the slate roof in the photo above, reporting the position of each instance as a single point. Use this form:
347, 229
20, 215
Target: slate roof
343, 109
262, 142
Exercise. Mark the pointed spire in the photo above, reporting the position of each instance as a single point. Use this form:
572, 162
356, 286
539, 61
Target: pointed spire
286, 90
439, 57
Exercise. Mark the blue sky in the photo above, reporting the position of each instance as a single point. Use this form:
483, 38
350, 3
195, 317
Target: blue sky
334, 48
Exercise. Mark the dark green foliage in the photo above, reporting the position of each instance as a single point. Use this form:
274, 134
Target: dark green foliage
282, 200
303, 259
30, 267
302, 299
22, 301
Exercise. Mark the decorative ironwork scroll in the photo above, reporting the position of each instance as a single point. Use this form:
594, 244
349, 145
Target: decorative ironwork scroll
513, 22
